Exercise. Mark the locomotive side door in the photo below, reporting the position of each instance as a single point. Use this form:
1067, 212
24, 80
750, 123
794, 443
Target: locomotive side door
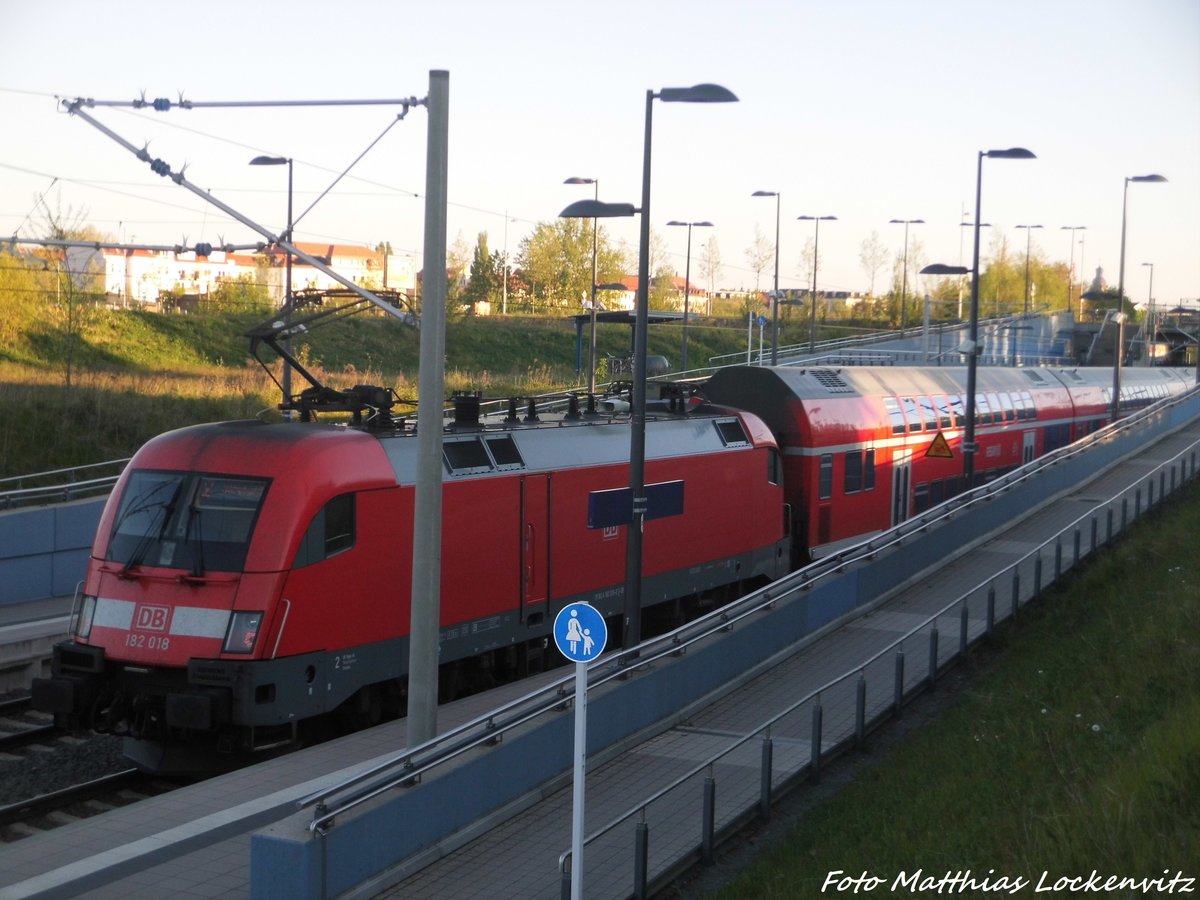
535, 545
1027, 450
901, 484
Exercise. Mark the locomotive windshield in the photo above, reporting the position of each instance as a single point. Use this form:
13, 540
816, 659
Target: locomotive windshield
186, 520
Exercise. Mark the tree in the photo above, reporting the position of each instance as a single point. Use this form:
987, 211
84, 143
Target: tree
710, 267
760, 254
484, 277
873, 256
556, 261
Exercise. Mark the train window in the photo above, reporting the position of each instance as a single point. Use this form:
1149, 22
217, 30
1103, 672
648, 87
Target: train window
466, 457
910, 413
1028, 410
184, 520
956, 407
774, 467
1006, 401
859, 474
937, 492
732, 433
921, 498
825, 487
983, 413
852, 476
504, 451
928, 412
943, 407
330, 532
994, 406
895, 416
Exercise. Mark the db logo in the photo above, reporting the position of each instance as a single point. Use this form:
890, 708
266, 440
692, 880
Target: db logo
151, 618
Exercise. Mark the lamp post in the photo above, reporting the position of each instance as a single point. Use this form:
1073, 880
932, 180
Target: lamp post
1120, 352
687, 280
1028, 237
700, 93
904, 276
1149, 314
812, 324
972, 343
575, 179
286, 384
1071, 264
775, 290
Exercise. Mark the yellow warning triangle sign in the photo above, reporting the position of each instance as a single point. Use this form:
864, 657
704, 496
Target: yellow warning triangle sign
939, 449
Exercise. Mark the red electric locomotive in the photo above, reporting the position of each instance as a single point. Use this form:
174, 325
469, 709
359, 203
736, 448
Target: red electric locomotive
867, 447
247, 578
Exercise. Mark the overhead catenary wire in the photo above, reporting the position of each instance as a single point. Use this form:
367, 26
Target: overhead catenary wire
162, 168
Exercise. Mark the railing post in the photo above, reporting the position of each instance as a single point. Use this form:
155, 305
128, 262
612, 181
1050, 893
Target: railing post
991, 609
1095, 534
898, 690
708, 826
1124, 514
1058, 557
764, 785
933, 654
1016, 592
641, 858
1162, 482
1037, 576
1078, 542
962, 632
1109, 537
814, 764
564, 880
860, 712
1137, 507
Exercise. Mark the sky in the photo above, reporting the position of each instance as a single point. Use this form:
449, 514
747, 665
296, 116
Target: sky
867, 110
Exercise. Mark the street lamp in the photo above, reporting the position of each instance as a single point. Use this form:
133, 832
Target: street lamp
904, 276
812, 326
591, 209
1149, 313
1140, 179
775, 291
286, 384
687, 277
972, 343
1071, 264
575, 179
1028, 236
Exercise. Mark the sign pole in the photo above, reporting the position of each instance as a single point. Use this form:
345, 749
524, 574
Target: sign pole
577, 795
580, 633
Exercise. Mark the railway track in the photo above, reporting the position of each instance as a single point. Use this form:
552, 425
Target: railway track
50, 777
21, 725
81, 801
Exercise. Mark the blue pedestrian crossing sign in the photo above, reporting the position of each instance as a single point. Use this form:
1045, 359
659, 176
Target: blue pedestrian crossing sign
580, 632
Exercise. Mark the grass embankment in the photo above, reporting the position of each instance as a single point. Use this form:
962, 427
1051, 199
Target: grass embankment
100, 388
1076, 748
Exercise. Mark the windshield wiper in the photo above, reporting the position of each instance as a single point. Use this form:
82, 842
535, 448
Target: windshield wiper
153, 530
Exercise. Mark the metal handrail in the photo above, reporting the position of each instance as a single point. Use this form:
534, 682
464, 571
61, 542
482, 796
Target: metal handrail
488, 728
897, 644
61, 490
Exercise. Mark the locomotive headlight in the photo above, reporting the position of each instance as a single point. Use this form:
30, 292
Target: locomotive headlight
243, 632
87, 611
